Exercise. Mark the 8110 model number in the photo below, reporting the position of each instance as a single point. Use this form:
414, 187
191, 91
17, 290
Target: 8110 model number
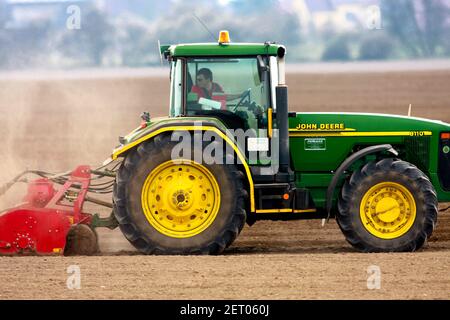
417, 133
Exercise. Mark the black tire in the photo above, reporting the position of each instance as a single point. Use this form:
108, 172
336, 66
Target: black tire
82, 240
387, 170
128, 210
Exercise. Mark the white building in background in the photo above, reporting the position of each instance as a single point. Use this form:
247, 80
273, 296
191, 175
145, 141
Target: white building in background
338, 15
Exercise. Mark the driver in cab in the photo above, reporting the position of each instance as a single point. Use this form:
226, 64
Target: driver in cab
206, 88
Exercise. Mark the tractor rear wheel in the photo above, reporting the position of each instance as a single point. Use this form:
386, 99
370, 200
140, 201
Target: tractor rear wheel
387, 206
167, 206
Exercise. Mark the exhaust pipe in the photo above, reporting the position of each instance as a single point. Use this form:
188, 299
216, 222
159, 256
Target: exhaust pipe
282, 124
282, 117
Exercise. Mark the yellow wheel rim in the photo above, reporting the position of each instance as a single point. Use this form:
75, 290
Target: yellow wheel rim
180, 198
388, 210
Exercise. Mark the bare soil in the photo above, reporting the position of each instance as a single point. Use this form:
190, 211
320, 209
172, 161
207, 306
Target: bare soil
56, 124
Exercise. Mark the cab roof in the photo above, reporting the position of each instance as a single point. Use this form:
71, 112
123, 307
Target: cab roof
228, 49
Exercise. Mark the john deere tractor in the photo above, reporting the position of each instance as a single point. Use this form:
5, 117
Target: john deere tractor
230, 152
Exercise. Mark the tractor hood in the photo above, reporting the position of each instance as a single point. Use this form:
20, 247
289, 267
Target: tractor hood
322, 141
363, 124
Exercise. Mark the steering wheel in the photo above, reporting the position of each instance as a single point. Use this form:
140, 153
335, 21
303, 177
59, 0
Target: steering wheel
245, 94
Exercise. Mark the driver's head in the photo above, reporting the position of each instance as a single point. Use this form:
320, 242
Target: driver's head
204, 78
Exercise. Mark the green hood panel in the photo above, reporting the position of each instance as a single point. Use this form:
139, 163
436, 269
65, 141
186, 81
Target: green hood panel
320, 142
365, 122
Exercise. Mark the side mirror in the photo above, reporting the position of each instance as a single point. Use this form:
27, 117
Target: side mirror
262, 67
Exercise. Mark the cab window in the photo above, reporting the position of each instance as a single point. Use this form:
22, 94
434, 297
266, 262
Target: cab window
229, 87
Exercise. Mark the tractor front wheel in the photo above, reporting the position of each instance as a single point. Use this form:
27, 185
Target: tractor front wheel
387, 206
180, 206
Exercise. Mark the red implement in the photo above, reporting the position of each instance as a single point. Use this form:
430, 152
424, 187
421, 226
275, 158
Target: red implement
42, 223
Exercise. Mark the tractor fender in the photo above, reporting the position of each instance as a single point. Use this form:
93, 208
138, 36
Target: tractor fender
347, 163
194, 127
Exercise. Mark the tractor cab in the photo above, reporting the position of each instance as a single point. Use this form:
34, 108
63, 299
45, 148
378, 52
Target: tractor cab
233, 82
243, 86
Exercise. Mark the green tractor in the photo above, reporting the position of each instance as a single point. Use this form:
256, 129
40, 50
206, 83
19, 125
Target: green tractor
230, 152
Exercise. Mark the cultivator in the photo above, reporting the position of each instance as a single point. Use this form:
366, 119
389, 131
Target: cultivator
51, 221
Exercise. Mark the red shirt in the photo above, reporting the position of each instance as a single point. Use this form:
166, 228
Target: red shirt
216, 93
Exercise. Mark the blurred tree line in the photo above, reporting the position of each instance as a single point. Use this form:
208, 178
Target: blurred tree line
410, 29
421, 27
130, 39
